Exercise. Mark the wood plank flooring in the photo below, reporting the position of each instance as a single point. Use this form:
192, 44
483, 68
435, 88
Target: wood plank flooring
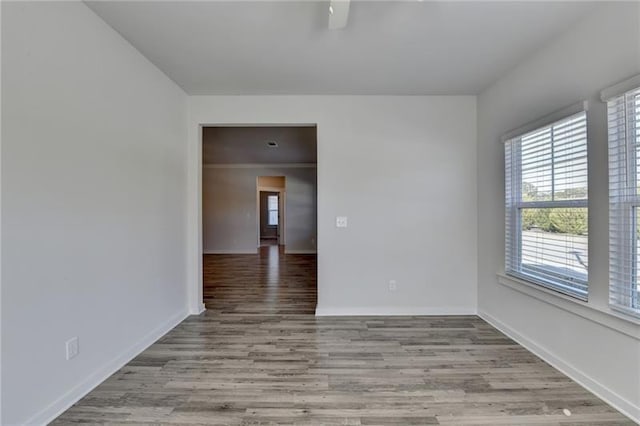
270, 282
258, 356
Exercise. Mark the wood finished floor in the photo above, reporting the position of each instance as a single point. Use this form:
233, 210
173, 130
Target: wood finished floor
267, 283
258, 356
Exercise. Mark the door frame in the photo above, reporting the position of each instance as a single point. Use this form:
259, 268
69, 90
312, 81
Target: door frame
195, 301
282, 193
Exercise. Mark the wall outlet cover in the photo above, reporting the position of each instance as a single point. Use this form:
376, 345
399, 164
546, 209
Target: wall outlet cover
73, 348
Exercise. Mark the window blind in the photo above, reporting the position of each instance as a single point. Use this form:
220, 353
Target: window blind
624, 201
272, 207
546, 196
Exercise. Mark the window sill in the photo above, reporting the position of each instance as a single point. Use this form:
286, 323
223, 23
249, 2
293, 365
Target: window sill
604, 316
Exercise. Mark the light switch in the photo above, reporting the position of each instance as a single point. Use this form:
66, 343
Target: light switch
341, 222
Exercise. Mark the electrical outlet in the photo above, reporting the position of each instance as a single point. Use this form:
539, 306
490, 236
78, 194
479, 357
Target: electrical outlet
73, 348
341, 222
393, 285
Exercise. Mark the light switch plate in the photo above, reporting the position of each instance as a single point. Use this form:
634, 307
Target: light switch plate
341, 221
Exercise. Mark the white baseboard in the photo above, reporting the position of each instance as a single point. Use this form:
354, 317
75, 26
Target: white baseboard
392, 311
232, 251
621, 404
49, 413
294, 251
200, 308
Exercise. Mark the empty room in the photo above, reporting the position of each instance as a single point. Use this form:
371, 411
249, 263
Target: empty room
320, 212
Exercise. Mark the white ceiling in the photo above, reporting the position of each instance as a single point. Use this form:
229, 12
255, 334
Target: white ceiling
233, 145
388, 47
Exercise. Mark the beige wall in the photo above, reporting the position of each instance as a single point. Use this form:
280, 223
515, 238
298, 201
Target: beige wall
271, 181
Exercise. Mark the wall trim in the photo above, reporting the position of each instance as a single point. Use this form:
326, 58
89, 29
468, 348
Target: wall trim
301, 251
198, 310
608, 318
393, 311
270, 188
57, 407
260, 166
231, 251
601, 391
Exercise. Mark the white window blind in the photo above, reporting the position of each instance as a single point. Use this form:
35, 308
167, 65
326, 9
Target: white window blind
272, 207
624, 201
546, 196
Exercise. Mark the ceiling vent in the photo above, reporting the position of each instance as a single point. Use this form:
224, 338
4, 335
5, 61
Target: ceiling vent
272, 144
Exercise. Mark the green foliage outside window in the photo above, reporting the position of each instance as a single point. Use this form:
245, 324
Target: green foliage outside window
560, 220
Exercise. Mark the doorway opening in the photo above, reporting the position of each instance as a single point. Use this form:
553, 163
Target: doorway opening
271, 192
259, 218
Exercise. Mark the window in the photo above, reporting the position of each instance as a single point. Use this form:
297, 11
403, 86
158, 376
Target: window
624, 201
272, 209
546, 205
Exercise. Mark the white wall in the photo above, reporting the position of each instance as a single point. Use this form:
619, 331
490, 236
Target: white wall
93, 216
229, 202
589, 342
402, 169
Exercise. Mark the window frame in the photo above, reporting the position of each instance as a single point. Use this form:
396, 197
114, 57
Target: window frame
276, 210
515, 205
624, 196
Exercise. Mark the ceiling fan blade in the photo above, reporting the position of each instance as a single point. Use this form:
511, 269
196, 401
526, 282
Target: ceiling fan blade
338, 14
